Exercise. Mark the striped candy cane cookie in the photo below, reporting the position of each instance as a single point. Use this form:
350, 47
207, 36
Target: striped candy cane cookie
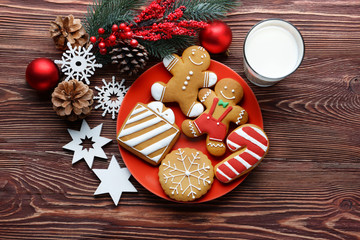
250, 145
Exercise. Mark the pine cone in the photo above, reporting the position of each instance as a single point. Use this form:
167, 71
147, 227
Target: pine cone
68, 30
130, 59
72, 100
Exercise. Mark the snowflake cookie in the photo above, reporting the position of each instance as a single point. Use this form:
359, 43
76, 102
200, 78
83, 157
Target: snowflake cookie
186, 174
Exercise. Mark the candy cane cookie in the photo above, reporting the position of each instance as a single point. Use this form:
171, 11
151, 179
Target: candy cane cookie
250, 145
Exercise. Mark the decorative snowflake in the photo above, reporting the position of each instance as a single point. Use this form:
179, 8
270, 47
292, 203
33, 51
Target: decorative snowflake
181, 175
111, 96
78, 63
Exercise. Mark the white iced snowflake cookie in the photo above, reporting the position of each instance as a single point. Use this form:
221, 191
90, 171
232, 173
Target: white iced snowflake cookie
186, 174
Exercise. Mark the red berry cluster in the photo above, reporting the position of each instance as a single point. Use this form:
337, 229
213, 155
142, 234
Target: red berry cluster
151, 25
156, 9
121, 31
164, 27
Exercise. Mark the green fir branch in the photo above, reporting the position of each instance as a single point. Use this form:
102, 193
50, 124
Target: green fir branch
206, 10
164, 47
105, 13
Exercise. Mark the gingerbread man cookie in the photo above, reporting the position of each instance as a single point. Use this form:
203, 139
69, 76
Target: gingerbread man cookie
221, 109
189, 74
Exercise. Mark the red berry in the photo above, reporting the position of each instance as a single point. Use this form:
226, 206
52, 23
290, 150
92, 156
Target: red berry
122, 36
127, 29
114, 28
103, 51
122, 26
102, 45
101, 31
134, 43
128, 35
112, 38
93, 39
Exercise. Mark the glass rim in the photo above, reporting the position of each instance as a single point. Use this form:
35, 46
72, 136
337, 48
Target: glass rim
261, 22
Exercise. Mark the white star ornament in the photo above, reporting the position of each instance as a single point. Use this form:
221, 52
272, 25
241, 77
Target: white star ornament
114, 180
83, 153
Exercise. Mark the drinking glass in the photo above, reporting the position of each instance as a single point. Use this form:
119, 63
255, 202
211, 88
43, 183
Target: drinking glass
273, 49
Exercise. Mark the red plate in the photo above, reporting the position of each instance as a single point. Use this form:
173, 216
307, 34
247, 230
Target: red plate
146, 174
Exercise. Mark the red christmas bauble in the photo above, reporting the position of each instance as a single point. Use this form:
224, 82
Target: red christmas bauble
216, 37
42, 74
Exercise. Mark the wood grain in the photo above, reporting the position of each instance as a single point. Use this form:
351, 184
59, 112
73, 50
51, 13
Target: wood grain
306, 188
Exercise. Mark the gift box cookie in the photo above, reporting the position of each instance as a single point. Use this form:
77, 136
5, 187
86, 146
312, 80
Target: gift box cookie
149, 132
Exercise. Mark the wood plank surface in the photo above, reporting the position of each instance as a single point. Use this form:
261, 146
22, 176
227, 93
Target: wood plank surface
307, 187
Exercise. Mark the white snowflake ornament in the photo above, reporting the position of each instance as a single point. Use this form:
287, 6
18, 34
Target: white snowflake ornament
88, 154
114, 180
78, 63
110, 96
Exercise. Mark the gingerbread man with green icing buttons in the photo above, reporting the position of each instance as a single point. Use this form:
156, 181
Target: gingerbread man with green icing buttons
189, 74
221, 109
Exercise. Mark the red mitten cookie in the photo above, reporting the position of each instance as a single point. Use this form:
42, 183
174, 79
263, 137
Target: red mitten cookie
221, 110
250, 144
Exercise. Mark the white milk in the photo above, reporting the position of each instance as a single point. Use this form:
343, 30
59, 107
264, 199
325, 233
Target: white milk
273, 49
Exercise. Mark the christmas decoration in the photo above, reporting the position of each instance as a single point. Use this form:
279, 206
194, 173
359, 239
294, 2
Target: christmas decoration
83, 153
163, 27
68, 29
42, 74
130, 57
78, 63
110, 96
125, 33
114, 180
72, 100
216, 37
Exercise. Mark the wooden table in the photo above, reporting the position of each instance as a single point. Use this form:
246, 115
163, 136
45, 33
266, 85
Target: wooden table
306, 188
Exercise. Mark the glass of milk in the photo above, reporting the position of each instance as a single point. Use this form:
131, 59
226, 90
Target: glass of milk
273, 49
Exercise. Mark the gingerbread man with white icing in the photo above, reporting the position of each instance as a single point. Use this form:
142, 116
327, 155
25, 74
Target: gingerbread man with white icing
189, 74
221, 109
